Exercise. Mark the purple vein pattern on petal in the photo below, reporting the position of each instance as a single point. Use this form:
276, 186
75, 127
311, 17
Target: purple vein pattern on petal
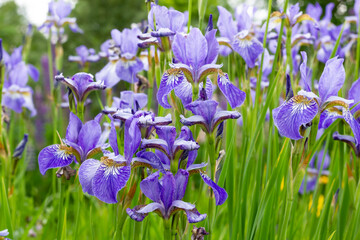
289, 117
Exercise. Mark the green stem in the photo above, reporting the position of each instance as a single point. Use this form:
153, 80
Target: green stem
190, 11
167, 229
288, 53
80, 111
212, 157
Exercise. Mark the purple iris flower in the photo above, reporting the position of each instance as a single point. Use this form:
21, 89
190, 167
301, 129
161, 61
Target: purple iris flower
84, 55
16, 93
128, 101
162, 160
3, 234
297, 111
166, 24
238, 36
168, 144
166, 195
123, 62
196, 55
207, 115
323, 163
81, 142
105, 178
81, 84
59, 12
1, 50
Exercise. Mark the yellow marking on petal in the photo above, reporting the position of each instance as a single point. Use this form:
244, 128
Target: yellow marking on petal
282, 184
320, 205
324, 179
303, 18
110, 162
332, 105
173, 71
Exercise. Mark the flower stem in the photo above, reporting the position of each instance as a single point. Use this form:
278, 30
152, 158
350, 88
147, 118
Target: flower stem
167, 229
212, 156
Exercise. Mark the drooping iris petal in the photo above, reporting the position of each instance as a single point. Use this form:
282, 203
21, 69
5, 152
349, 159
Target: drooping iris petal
194, 216
151, 187
87, 172
196, 119
108, 75
109, 180
355, 126
220, 193
234, 95
127, 69
292, 114
171, 79
223, 115
54, 156
248, 47
332, 78
184, 92
73, 128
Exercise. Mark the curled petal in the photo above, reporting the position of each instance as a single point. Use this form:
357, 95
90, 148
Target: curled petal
54, 156
292, 114
223, 115
171, 79
220, 193
109, 180
196, 119
234, 95
328, 116
194, 216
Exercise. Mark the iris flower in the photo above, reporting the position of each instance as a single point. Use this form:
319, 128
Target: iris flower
16, 93
59, 12
3, 234
297, 111
166, 195
207, 115
238, 36
123, 62
84, 55
81, 142
81, 84
162, 160
164, 24
105, 178
196, 55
